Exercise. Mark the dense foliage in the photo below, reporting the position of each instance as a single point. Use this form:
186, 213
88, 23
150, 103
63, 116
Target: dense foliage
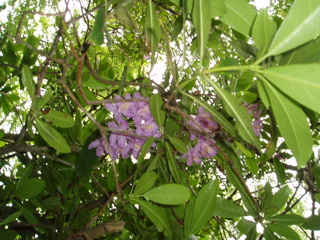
159, 119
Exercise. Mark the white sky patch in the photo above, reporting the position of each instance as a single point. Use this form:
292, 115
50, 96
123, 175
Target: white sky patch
261, 4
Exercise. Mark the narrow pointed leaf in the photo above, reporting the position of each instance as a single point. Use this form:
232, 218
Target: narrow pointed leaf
280, 198
172, 162
157, 110
233, 107
204, 206
98, 27
240, 16
11, 218
263, 31
52, 137
217, 115
227, 209
201, 17
245, 194
145, 183
300, 82
293, 124
59, 119
167, 194
152, 28
288, 219
300, 26
178, 144
157, 215
27, 80
44, 100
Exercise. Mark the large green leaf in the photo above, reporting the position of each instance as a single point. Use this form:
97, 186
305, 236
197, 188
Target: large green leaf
172, 162
157, 215
283, 231
312, 223
11, 218
300, 26
167, 194
178, 144
217, 8
300, 82
227, 209
204, 207
245, 226
52, 137
217, 115
59, 119
145, 183
233, 107
293, 124
27, 212
201, 17
288, 219
152, 28
240, 15
27, 80
263, 31
157, 110
30, 188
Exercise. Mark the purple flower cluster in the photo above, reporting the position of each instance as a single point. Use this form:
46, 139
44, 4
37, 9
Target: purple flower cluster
128, 140
253, 110
204, 128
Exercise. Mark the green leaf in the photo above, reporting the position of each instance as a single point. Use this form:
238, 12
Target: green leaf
11, 218
27, 80
59, 119
263, 31
240, 16
52, 137
145, 183
312, 223
245, 226
157, 110
233, 107
227, 209
26, 174
178, 144
269, 235
283, 231
280, 197
218, 8
201, 17
86, 160
246, 196
27, 213
300, 82
188, 217
299, 26
144, 150
123, 15
98, 27
44, 100
217, 115
288, 219
280, 171
152, 28
293, 124
167, 194
157, 215
204, 207
30, 188
172, 162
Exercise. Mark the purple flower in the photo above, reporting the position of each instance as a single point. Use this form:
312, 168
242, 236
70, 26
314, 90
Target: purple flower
257, 126
99, 145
